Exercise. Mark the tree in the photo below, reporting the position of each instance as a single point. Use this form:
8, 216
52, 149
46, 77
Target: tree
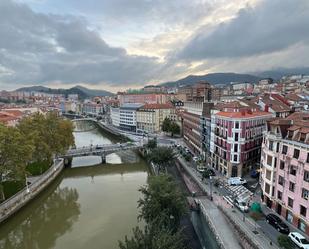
153, 238
166, 125
174, 128
162, 203
15, 152
162, 157
285, 242
152, 144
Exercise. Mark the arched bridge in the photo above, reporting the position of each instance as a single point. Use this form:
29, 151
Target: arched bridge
99, 150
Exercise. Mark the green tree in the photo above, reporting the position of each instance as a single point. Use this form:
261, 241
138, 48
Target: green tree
162, 157
174, 128
152, 144
15, 152
285, 242
166, 125
162, 203
51, 134
153, 238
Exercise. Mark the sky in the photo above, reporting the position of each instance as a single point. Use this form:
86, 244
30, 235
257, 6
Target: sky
120, 44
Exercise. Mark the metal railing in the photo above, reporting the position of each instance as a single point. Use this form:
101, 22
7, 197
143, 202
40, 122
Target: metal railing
15, 202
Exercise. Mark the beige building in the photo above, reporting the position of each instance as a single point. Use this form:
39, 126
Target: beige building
149, 117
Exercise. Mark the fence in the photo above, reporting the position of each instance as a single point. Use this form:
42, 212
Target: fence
14, 203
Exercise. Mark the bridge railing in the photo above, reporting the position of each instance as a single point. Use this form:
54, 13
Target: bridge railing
13, 203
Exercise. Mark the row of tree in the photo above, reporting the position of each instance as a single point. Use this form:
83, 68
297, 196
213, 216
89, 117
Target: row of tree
161, 206
35, 139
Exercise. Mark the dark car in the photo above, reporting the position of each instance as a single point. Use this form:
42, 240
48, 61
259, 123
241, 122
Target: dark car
277, 223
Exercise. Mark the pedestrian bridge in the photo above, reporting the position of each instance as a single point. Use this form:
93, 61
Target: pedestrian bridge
99, 150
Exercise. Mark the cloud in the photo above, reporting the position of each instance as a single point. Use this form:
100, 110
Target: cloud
269, 27
40, 48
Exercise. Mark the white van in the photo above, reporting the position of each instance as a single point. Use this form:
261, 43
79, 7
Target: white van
236, 181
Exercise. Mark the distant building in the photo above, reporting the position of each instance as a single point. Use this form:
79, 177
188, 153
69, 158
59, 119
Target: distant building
92, 108
143, 98
149, 117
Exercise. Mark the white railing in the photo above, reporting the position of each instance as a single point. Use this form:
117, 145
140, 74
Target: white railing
15, 202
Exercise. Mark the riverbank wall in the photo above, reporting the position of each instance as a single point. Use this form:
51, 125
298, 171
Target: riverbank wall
20, 199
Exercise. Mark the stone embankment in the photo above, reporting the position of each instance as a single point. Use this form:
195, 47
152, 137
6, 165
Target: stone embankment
20, 199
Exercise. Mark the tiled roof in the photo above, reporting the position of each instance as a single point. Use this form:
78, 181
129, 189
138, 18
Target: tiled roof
244, 114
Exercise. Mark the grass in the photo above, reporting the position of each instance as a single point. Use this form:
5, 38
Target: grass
12, 187
38, 168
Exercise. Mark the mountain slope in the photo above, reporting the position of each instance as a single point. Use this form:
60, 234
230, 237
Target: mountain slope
214, 78
83, 92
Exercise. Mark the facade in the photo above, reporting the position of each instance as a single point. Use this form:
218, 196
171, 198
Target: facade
115, 116
236, 138
143, 98
127, 116
191, 125
93, 108
200, 92
285, 169
149, 117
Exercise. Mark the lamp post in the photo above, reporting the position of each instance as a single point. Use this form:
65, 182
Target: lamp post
27, 188
210, 185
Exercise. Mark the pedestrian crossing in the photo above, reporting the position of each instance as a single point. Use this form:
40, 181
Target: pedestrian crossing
239, 191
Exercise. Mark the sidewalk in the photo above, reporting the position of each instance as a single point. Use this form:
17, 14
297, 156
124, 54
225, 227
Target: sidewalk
260, 239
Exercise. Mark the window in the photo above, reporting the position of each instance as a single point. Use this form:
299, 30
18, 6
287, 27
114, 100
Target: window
279, 195
236, 124
281, 180
277, 147
307, 158
267, 188
292, 186
235, 158
281, 164
302, 137
270, 145
235, 147
303, 210
236, 136
284, 149
306, 176
269, 160
305, 193
268, 174
290, 202
296, 153
293, 170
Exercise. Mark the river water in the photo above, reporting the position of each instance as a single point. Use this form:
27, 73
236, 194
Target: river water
86, 207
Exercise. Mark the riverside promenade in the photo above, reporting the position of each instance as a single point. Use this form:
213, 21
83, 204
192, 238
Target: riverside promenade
233, 225
20, 199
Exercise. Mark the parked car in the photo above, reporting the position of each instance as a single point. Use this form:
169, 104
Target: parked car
299, 240
236, 181
241, 205
277, 223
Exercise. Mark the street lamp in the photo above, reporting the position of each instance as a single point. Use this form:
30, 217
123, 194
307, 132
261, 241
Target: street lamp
28, 190
210, 185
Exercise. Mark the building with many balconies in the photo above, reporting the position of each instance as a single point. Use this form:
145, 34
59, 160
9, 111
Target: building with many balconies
236, 138
285, 169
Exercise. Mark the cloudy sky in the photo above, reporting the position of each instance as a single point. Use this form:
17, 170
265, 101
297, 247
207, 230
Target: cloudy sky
117, 44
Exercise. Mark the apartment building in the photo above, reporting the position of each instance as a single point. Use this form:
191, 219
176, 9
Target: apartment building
236, 138
285, 169
144, 98
149, 117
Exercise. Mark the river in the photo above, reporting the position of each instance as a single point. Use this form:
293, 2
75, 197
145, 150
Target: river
87, 206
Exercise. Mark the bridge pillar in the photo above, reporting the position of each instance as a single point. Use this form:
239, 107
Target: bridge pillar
103, 157
68, 161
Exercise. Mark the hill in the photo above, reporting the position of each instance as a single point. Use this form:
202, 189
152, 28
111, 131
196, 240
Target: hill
215, 79
83, 92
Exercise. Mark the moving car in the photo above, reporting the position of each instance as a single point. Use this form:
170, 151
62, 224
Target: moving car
299, 240
236, 181
277, 223
241, 205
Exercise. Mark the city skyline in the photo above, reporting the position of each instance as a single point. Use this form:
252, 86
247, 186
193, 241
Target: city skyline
114, 45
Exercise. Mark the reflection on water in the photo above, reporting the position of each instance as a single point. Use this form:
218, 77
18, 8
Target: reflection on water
86, 207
